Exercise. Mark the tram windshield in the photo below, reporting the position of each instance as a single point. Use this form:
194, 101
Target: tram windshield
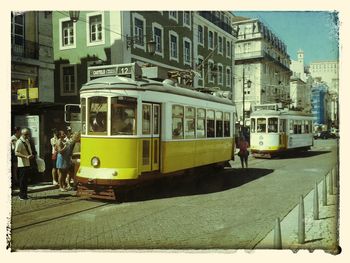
273, 125
261, 125
98, 115
123, 115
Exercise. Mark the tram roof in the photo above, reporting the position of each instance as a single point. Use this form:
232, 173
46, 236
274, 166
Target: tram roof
115, 83
279, 113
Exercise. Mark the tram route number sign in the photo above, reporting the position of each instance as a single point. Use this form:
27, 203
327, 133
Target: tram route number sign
129, 70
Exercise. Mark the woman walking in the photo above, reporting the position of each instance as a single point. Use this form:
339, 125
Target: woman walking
243, 151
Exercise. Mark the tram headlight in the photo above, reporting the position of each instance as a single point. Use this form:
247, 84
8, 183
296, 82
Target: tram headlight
95, 162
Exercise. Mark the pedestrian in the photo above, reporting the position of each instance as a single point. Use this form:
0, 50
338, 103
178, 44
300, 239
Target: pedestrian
16, 135
62, 162
70, 151
53, 142
33, 165
24, 155
243, 151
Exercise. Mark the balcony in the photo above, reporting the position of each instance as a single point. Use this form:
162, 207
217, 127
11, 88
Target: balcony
28, 49
216, 21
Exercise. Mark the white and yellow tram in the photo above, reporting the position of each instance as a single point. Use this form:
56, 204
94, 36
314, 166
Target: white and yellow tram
273, 132
135, 129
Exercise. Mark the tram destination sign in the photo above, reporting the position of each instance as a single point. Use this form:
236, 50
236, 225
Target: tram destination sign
130, 70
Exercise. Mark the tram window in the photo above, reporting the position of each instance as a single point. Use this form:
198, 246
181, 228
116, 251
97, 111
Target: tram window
218, 124
123, 115
226, 124
155, 119
307, 127
190, 122
177, 125
252, 125
200, 123
272, 125
261, 125
83, 115
98, 115
299, 127
282, 125
146, 119
291, 126
210, 124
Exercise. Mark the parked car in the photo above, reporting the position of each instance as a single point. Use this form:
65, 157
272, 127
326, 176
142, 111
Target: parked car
325, 135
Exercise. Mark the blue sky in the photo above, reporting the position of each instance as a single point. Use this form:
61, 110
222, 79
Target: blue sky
312, 31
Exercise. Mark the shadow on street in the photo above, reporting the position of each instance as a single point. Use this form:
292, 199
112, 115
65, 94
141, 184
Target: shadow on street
205, 182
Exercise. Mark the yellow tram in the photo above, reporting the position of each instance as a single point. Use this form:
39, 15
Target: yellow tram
135, 128
276, 131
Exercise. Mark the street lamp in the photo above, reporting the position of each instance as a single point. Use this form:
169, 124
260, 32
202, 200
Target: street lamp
74, 16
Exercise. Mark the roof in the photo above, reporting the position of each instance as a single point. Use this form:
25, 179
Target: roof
116, 83
279, 113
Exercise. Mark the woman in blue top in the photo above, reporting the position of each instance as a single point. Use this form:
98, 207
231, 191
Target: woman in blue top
63, 160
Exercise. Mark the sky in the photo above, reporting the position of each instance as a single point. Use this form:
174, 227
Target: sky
315, 32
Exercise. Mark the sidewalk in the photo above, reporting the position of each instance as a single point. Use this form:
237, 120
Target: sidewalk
319, 234
37, 187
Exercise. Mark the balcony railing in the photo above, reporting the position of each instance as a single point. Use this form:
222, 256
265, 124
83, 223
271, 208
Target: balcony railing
217, 21
28, 49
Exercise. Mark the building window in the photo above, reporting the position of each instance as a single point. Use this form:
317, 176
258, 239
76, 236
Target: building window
187, 52
67, 33
200, 35
228, 49
210, 40
220, 74
68, 80
187, 19
95, 28
138, 31
158, 37
200, 67
173, 15
220, 45
173, 46
228, 77
17, 29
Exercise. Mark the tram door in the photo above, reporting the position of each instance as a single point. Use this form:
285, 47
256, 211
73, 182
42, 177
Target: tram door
150, 137
282, 132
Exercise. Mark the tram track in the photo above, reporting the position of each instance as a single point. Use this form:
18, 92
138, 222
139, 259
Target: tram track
52, 213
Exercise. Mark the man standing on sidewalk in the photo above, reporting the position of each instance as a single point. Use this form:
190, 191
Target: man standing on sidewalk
24, 155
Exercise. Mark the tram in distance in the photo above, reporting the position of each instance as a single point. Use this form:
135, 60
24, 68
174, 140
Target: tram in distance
134, 129
274, 132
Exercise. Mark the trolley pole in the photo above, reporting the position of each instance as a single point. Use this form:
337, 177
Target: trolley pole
243, 94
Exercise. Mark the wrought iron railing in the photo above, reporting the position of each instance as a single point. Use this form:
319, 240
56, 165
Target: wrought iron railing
28, 49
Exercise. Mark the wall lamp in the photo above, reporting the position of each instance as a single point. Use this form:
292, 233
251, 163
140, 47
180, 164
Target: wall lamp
74, 16
131, 40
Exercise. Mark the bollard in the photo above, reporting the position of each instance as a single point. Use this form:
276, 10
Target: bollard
277, 242
324, 192
316, 210
301, 223
330, 189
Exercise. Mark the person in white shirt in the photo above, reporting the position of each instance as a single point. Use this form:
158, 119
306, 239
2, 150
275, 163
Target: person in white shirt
14, 138
24, 155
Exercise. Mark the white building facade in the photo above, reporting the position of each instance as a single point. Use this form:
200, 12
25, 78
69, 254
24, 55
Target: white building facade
300, 85
261, 68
